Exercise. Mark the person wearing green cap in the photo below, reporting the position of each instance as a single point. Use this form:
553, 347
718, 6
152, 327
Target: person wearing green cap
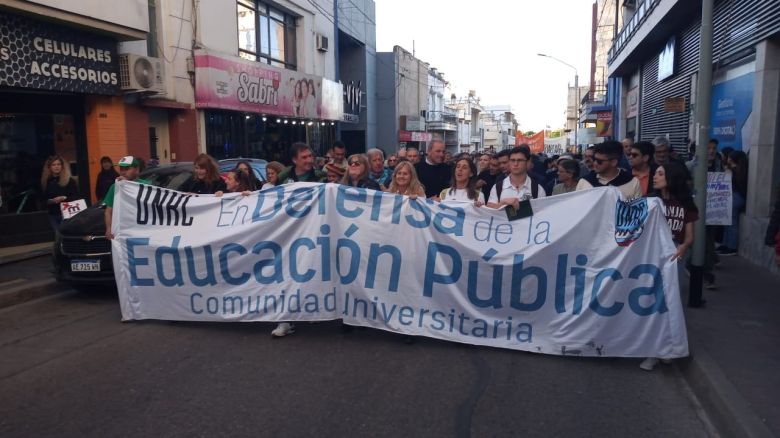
129, 169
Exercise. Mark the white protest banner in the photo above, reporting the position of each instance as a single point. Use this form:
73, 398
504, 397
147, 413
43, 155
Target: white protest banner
719, 198
587, 274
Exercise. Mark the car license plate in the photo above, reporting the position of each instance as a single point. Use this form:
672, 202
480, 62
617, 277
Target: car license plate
85, 265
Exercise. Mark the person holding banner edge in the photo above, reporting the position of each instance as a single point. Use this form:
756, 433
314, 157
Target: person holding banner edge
670, 181
517, 185
302, 170
463, 186
129, 169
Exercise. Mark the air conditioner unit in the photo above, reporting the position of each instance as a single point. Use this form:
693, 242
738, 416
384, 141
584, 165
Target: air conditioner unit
322, 43
141, 73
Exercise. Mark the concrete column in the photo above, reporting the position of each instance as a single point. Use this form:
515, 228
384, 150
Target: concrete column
764, 156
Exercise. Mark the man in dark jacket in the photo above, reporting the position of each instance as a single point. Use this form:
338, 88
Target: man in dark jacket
303, 166
433, 173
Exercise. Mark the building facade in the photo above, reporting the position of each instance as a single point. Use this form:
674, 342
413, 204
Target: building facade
265, 78
356, 65
500, 127
471, 127
84, 80
440, 119
402, 100
653, 68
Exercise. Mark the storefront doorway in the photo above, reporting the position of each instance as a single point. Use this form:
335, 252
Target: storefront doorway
34, 126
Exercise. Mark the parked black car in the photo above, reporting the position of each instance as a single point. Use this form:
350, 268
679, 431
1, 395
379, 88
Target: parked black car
82, 254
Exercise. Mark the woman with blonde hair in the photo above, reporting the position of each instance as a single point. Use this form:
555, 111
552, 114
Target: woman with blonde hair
205, 177
58, 186
272, 172
405, 181
357, 173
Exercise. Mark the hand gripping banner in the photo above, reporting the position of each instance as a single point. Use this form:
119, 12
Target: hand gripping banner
587, 274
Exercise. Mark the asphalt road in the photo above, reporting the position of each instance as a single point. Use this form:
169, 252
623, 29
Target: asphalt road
69, 367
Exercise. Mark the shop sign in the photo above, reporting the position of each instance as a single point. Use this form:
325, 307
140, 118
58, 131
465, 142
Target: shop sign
236, 84
604, 124
47, 56
353, 98
674, 104
413, 123
414, 136
632, 103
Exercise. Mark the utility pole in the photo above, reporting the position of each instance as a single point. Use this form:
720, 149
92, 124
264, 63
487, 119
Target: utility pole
576, 109
336, 55
703, 98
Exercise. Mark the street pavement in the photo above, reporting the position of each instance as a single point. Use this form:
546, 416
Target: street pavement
69, 367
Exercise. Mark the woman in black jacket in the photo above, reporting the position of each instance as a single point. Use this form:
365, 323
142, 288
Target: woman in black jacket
58, 186
105, 178
205, 178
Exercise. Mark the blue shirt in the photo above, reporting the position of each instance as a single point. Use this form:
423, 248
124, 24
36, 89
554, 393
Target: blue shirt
384, 179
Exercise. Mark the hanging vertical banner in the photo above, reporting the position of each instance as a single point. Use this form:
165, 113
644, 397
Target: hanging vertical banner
588, 274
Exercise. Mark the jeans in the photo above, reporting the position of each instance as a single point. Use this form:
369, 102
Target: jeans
731, 233
55, 220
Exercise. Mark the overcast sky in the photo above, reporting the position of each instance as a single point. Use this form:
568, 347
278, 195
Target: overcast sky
490, 46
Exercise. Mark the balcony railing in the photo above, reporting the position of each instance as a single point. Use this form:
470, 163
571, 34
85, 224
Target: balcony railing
441, 126
643, 10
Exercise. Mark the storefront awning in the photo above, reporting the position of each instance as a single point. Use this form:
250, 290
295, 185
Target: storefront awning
599, 108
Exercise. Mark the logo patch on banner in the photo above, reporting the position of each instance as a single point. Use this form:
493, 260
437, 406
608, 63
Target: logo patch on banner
630, 217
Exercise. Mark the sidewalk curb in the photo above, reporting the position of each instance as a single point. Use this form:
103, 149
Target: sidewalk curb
31, 290
730, 412
12, 258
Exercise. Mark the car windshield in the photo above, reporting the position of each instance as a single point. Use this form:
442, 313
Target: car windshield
168, 178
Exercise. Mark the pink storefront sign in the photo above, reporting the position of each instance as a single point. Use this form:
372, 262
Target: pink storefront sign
235, 84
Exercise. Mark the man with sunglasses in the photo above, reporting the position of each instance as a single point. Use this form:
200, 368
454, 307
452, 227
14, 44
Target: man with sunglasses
607, 173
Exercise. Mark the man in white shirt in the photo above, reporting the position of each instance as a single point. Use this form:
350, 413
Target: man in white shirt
518, 185
607, 173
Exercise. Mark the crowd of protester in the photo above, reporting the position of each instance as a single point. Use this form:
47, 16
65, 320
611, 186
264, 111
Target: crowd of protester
506, 178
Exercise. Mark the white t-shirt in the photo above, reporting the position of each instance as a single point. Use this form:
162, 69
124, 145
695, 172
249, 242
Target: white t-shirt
509, 191
461, 195
629, 190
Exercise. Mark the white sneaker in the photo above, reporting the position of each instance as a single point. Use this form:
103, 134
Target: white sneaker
666, 361
283, 329
648, 364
